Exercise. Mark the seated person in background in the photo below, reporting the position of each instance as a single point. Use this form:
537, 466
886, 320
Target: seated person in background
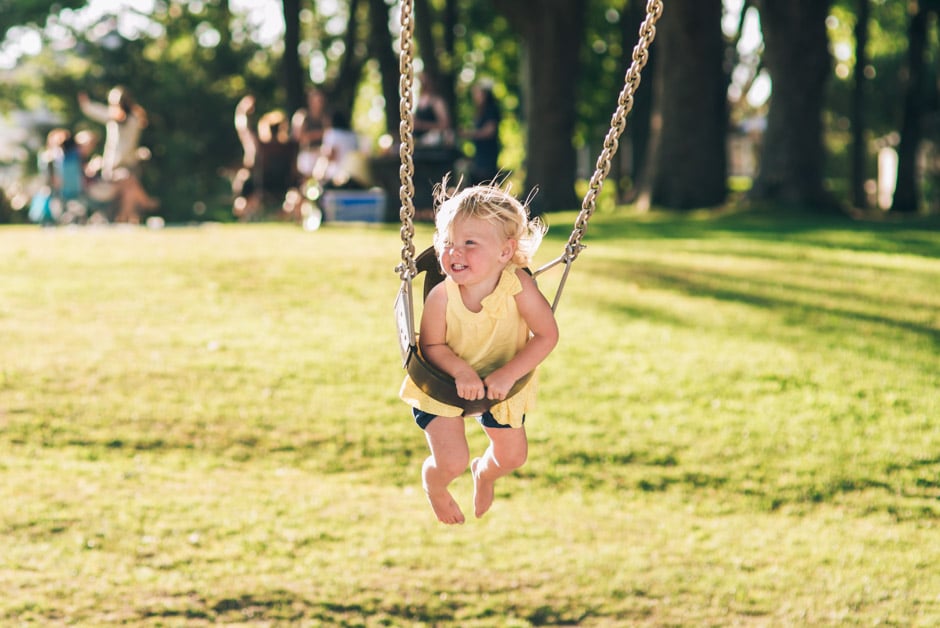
122, 198
307, 128
342, 163
61, 163
269, 164
70, 169
432, 125
45, 206
68, 182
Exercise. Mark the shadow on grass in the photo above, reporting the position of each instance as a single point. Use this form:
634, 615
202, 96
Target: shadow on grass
795, 295
755, 292
914, 235
289, 607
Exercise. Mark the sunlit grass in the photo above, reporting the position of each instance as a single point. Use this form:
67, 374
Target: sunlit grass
200, 426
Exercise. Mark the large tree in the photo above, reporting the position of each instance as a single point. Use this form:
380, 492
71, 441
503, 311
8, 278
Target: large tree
640, 127
552, 32
906, 192
380, 47
435, 36
687, 162
292, 73
797, 58
859, 199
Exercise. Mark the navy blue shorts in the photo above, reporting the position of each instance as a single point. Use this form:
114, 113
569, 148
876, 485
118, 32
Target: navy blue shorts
423, 418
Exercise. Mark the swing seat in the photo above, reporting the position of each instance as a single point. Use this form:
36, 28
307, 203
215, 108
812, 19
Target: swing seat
431, 380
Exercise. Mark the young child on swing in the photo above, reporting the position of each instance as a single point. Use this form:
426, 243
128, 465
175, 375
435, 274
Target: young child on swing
487, 325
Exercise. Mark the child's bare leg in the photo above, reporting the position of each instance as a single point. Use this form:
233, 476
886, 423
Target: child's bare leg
507, 452
449, 456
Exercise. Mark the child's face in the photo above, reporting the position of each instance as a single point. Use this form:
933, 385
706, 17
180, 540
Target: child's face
476, 252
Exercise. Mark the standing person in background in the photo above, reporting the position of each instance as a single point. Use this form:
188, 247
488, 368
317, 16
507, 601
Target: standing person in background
47, 202
120, 160
60, 163
485, 133
123, 120
431, 120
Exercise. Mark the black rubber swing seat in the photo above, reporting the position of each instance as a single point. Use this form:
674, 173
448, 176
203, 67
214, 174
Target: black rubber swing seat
431, 380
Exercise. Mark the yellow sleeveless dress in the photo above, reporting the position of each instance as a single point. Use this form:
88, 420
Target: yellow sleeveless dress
487, 340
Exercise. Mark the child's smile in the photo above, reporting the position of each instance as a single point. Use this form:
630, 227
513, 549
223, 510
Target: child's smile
476, 255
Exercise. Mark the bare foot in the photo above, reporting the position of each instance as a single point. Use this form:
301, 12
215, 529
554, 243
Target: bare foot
482, 490
445, 507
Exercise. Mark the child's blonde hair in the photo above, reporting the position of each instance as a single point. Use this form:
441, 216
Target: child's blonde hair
496, 205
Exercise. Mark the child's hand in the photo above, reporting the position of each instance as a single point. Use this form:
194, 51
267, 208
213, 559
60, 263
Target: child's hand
469, 386
498, 384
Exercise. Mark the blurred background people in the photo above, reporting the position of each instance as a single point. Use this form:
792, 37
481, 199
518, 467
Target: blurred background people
123, 120
119, 165
342, 162
308, 127
42, 209
269, 162
432, 124
122, 199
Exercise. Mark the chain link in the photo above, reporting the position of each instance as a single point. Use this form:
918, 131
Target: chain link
407, 269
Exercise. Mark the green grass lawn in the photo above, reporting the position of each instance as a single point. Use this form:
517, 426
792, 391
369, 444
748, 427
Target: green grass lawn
739, 426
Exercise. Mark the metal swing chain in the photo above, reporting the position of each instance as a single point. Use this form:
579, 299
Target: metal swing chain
407, 269
654, 10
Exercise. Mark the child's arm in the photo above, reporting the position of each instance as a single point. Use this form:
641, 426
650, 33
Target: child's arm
435, 349
538, 315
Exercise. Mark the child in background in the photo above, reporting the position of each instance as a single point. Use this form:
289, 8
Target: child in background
487, 325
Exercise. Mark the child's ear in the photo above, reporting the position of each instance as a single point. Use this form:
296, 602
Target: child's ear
509, 250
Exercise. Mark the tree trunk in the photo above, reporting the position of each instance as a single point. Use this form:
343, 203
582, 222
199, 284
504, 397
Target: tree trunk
859, 198
797, 58
437, 53
380, 48
906, 191
344, 89
552, 32
293, 72
689, 165
638, 124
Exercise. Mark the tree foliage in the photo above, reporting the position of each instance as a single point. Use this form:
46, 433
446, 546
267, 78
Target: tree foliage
15, 13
